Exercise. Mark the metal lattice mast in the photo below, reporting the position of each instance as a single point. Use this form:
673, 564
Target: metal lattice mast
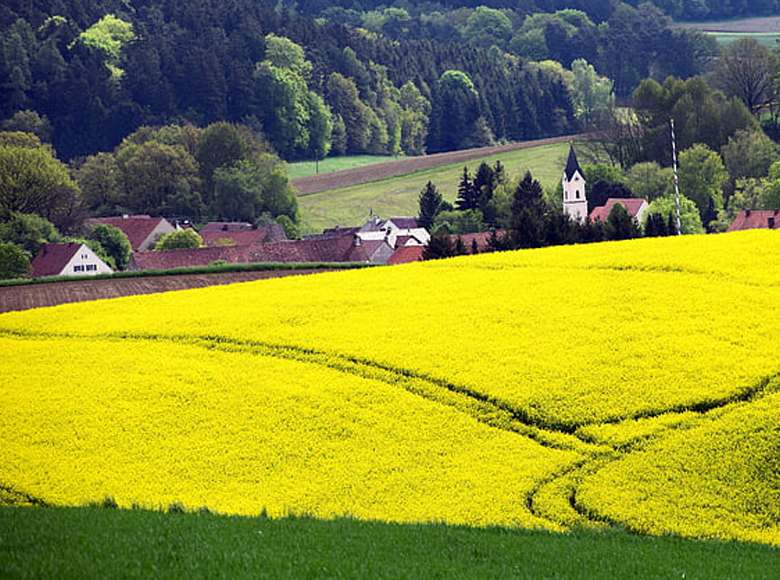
676, 185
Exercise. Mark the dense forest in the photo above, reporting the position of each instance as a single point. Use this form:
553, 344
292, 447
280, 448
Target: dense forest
384, 80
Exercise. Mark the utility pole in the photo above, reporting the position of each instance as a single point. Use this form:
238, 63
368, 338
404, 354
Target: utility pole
676, 186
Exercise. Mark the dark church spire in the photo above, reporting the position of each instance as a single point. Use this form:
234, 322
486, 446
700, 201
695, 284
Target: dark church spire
571, 165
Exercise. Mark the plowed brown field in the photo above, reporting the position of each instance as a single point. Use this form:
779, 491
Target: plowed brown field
54, 293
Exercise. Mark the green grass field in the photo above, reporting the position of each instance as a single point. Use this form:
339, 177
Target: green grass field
329, 164
351, 206
768, 39
83, 543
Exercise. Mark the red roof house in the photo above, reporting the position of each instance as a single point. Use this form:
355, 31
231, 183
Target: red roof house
70, 259
752, 219
228, 236
406, 255
142, 230
339, 249
636, 208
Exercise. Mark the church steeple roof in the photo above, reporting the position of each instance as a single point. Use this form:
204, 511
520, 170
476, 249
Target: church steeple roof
571, 165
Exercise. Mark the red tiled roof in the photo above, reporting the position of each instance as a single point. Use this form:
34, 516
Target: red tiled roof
751, 219
170, 259
341, 249
481, 238
404, 223
406, 254
632, 204
238, 238
52, 258
137, 228
225, 227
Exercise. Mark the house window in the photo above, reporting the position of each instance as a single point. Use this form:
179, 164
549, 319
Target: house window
84, 256
78, 268
91, 267
578, 195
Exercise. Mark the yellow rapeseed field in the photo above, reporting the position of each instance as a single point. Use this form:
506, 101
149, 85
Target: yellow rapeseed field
519, 388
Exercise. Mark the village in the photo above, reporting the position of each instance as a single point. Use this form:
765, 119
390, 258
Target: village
394, 240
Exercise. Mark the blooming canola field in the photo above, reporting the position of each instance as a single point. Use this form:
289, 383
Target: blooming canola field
541, 388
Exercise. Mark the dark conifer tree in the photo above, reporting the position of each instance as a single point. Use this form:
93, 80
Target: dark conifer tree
709, 215
527, 224
467, 195
620, 225
430, 204
439, 246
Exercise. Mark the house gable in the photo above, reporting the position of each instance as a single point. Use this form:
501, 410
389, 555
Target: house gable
69, 259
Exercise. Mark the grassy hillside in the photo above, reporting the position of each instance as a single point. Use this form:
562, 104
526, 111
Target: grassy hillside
306, 168
547, 389
399, 196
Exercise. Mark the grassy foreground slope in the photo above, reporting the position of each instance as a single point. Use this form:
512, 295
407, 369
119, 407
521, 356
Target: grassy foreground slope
85, 543
541, 389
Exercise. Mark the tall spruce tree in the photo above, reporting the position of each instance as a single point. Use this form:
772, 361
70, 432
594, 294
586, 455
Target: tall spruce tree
527, 228
467, 194
430, 204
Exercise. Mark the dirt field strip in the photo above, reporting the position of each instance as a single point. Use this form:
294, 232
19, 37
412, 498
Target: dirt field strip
748, 25
40, 295
377, 171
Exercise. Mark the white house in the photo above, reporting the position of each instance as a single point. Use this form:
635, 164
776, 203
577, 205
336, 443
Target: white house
397, 231
70, 259
575, 203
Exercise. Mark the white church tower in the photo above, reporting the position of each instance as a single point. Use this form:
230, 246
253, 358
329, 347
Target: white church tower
575, 204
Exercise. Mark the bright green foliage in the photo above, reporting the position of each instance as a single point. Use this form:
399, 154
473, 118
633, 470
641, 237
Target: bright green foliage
180, 239
487, 26
415, 115
648, 180
108, 35
245, 191
14, 262
702, 176
689, 214
114, 243
592, 93
295, 119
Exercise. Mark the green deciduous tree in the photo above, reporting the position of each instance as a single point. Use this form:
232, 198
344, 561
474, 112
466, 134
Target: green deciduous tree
114, 243
592, 94
690, 218
702, 176
180, 239
28, 231
33, 180
154, 177
14, 262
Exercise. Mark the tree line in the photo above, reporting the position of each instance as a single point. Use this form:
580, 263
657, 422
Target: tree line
100, 69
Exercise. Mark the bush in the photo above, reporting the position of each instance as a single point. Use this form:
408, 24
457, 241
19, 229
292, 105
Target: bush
14, 262
178, 240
